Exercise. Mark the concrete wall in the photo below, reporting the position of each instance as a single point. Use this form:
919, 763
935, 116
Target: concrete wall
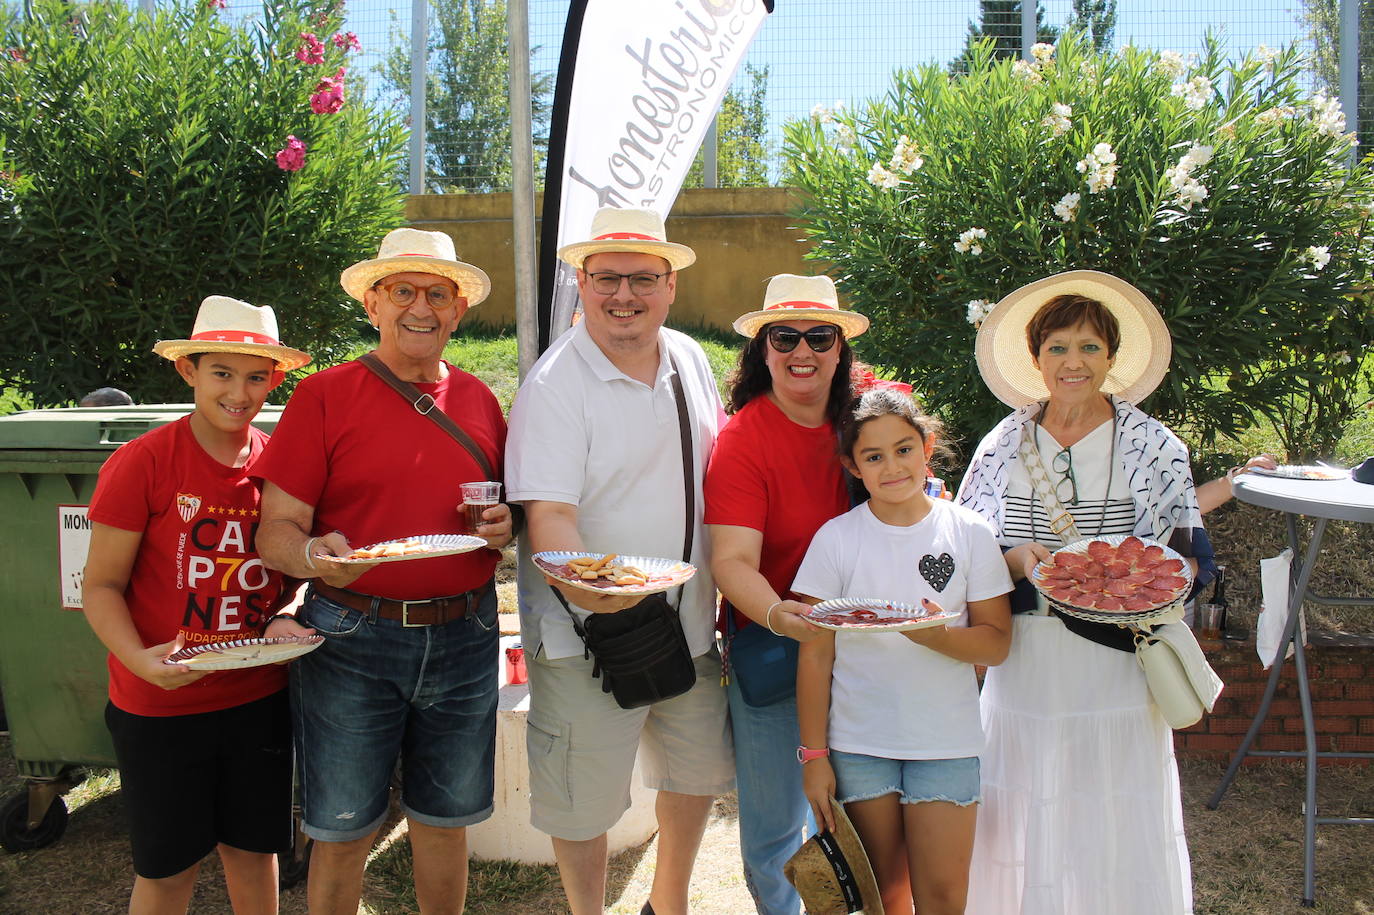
741, 236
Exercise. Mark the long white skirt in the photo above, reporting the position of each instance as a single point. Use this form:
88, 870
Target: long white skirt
1081, 812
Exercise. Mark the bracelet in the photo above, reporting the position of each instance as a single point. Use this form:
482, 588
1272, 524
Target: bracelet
309, 559
768, 618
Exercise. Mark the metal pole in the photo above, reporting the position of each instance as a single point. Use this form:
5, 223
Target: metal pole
1349, 62
1028, 10
419, 70
710, 168
522, 186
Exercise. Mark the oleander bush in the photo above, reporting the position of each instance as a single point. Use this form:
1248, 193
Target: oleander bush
149, 161
1223, 190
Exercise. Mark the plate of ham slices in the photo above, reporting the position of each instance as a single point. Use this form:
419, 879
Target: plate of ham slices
1115, 579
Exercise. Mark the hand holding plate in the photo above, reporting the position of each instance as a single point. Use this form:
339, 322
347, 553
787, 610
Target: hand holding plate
340, 575
594, 603
789, 620
150, 664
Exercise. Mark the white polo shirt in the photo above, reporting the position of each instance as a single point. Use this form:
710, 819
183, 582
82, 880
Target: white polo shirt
586, 434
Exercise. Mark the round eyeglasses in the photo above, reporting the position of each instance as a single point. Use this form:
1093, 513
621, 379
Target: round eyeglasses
403, 294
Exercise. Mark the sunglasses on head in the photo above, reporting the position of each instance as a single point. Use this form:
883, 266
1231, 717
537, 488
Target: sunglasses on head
784, 339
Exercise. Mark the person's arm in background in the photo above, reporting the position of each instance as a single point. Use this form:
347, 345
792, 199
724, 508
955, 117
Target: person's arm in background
735, 553
1215, 493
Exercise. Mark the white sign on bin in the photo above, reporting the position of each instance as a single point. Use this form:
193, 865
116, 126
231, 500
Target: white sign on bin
73, 542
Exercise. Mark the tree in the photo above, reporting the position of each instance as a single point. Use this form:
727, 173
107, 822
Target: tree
1000, 21
1096, 19
1223, 192
1323, 21
467, 98
742, 149
150, 161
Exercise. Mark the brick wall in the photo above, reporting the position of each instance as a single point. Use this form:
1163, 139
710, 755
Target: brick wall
1341, 671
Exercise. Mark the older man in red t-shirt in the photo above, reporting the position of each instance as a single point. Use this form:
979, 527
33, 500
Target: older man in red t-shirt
408, 667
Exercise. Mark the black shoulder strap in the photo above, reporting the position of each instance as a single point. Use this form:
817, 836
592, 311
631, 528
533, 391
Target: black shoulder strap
425, 406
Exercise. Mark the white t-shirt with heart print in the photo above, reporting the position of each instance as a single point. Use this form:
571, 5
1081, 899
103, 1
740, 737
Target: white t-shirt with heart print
890, 697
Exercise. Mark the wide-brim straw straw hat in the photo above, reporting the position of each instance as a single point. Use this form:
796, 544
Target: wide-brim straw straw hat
628, 230
1004, 357
832, 874
417, 251
225, 325
802, 298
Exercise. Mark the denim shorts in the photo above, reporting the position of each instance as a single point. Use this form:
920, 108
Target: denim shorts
378, 691
918, 781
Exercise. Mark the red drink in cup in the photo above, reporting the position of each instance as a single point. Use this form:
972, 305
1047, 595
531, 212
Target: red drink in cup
477, 498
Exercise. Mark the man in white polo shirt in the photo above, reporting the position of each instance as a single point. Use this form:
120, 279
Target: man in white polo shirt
595, 455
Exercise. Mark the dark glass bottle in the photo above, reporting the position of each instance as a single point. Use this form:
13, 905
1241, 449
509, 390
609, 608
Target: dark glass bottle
1218, 600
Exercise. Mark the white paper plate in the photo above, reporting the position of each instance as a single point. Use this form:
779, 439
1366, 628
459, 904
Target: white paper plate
663, 573
1302, 472
1098, 615
889, 616
436, 545
244, 652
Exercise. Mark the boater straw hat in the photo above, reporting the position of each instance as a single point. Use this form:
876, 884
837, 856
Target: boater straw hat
628, 230
832, 874
1004, 357
417, 251
802, 298
225, 325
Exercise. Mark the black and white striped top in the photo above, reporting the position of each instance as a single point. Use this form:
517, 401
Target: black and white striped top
1023, 511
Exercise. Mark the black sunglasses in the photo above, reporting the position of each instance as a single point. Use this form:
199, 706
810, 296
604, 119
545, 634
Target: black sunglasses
785, 339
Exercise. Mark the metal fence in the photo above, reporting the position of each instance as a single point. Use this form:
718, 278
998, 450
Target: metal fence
823, 52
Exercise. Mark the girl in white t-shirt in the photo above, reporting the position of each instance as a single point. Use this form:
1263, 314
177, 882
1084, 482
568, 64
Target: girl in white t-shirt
889, 720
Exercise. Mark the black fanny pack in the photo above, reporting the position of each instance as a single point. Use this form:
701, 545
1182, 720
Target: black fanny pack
640, 653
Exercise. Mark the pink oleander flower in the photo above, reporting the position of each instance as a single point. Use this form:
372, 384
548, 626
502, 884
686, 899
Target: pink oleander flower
17, 55
291, 157
346, 41
329, 94
216, 4
311, 50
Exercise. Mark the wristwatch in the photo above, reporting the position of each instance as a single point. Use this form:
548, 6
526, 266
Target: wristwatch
806, 754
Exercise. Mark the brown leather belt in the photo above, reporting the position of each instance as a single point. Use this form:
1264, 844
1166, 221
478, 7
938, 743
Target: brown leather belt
431, 612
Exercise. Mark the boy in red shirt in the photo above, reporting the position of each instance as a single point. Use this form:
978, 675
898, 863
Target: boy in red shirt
204, 757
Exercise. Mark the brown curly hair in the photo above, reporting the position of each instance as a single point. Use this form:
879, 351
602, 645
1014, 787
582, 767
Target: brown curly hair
752, 378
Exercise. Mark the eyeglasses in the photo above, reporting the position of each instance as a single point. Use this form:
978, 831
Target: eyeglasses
640, 283
403, 294
785, 339
1062, 464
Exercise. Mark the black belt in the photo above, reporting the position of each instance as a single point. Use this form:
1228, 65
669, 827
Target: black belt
431, 612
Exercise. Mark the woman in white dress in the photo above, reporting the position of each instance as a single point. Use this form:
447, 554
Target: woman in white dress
1081, 812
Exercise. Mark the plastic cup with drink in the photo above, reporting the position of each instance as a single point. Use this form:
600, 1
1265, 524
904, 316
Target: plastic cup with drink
477, 498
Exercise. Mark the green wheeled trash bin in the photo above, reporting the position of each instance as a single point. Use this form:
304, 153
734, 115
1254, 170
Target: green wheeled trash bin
52, 667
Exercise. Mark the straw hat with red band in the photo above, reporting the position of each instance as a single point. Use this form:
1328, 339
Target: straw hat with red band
802, 298
832, 873
225, 325
1138, 366
417, 251
620, 230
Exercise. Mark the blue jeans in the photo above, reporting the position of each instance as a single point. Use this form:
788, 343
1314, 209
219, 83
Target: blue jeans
773, 811
376, 691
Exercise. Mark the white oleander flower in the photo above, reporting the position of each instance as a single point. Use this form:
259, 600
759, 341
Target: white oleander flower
881, 177
1327, 115
1196, 157
1267, 57
1058, 119
1342, 357
1170, 63
904, 157
1042, 52
1025, 71
1067, 207
977, 311
1098, 168
844, 138
968, 241
1196, 92
821, 114
1318, 255
1274, 115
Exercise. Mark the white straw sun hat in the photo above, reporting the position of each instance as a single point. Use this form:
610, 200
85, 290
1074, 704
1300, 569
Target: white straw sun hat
802, 298
225, 325
1004, 358
417, 251
620, 230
